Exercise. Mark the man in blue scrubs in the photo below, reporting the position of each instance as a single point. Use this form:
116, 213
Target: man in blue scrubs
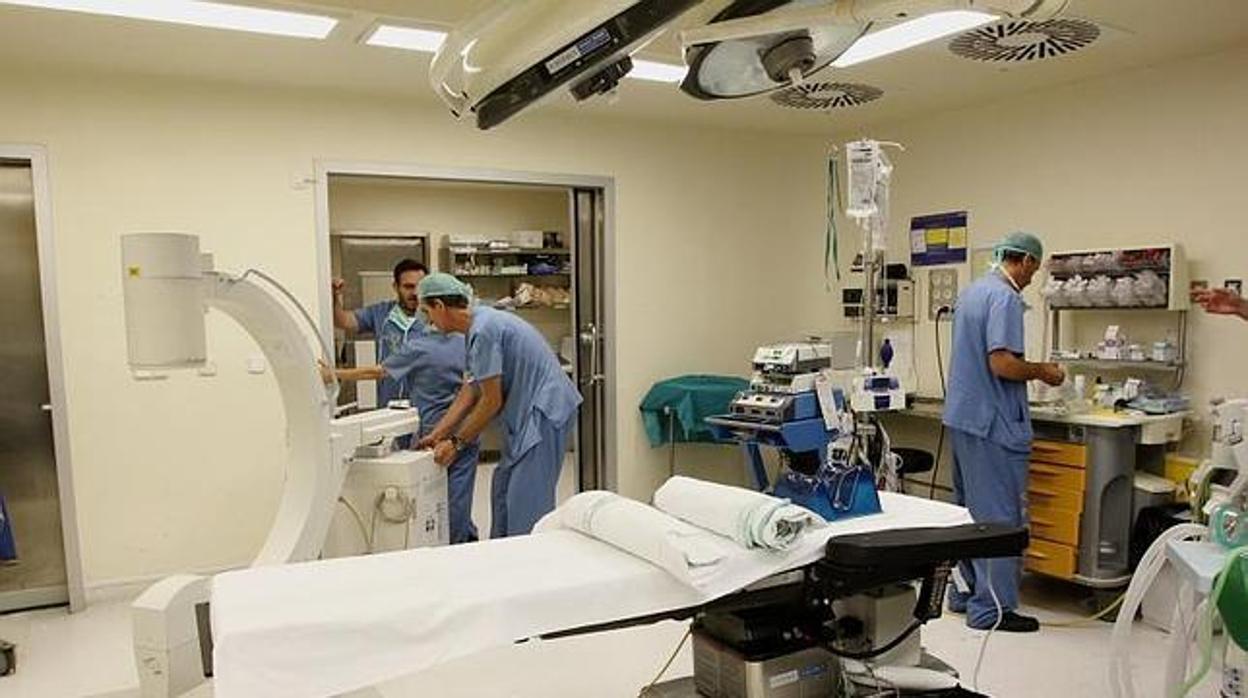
419, 365
990, 424
392, 323
514, 375
430, 371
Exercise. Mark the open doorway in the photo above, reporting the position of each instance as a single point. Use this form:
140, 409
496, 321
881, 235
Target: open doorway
532, 244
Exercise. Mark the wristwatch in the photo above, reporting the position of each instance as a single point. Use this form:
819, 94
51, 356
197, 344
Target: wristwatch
456, 442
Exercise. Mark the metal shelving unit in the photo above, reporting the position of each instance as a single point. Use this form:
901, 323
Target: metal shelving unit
502, 251
511, 276
1112, 365
1174, 271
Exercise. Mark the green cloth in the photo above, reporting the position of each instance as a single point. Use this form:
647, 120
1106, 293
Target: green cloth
691, 399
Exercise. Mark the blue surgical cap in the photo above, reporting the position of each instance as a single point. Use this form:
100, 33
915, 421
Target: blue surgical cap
1021, 242
441, 284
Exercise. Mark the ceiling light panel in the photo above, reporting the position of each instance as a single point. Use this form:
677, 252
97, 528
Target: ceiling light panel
657, 72
915, 32
407, 38
215, 15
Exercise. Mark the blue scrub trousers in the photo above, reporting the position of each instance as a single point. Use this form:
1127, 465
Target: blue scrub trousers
991, 481
523, 490
461, 480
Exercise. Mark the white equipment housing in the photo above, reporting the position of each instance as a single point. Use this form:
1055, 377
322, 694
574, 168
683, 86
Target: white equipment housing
400, 501
873, 391
790, 368
1229, 453
168, 286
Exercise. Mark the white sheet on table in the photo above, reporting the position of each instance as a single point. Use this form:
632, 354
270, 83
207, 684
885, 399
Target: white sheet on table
323, 628
750, 518
688, 553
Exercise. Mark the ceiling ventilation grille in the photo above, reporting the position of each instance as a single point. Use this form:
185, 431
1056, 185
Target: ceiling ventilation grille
826, 95
1020, 41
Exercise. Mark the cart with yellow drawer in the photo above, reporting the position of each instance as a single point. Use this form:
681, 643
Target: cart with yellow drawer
1080, 492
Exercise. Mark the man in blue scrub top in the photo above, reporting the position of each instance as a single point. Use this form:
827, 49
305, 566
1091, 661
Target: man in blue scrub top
430, 371
514, 375
419, 365
392, 323
988, 418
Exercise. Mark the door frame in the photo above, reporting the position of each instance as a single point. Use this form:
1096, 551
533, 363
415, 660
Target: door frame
37, 156
324, 169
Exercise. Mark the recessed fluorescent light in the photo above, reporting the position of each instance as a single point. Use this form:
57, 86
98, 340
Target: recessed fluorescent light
910, 34
408, 38
658, 72
216, 15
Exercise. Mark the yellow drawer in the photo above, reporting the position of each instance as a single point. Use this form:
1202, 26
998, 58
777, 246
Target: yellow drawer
1042, 495
1054, 525
1049, 476
1059, 453
1053, 559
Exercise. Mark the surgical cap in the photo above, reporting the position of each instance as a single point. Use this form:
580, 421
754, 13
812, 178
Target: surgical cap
440, 284
1023, 243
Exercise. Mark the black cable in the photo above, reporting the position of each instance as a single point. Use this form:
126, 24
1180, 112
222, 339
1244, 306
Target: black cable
940, 449
872, 654
940, 360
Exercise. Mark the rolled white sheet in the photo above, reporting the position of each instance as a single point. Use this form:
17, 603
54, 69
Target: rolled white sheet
687, 552
752, 519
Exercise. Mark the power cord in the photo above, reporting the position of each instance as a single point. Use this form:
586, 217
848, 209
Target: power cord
668, 664
359, 521
940, 361
1088, 619
983, 647
944, 394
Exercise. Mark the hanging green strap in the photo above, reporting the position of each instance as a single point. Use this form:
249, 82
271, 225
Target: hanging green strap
831, 258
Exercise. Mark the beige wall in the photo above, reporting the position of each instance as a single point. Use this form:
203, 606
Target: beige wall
1152, 156
712, 230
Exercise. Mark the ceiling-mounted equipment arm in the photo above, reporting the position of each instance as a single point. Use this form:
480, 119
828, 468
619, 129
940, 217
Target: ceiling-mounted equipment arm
856, 13
519, 52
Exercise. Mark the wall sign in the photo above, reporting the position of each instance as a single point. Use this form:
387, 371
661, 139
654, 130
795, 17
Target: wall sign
938, 239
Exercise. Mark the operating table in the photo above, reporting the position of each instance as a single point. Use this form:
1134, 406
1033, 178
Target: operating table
336, 626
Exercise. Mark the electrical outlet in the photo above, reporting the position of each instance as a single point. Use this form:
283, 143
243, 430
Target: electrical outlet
942, 289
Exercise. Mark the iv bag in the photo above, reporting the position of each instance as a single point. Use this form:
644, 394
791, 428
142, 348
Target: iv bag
863, 160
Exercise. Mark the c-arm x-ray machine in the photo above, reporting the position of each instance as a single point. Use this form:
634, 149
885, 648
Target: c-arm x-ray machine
169, 286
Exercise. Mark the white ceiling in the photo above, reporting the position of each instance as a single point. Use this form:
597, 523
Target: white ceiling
1142, 32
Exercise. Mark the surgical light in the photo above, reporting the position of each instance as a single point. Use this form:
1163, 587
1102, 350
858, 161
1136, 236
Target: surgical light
910, 34
657, 72
408, 38
215, 15
746, 63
